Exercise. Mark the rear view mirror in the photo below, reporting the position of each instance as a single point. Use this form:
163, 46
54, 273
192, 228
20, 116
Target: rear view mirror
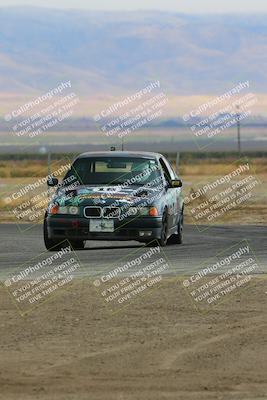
117, 165
52, 181
176, 183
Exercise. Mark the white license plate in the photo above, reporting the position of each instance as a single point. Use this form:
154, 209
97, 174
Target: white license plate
101, 225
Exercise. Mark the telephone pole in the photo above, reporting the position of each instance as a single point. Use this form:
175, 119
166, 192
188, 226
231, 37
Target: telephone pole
238, 130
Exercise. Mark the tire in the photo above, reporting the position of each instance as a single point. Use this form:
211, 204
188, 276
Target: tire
178, 237
164, 230
51, 244
77, 244
162, 241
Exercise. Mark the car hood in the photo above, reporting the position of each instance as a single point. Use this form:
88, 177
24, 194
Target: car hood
105, 195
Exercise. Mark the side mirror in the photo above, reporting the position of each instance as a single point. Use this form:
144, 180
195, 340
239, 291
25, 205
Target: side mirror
176, 183
52, 181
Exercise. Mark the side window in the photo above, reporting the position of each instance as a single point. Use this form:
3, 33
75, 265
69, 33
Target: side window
171, 171
166, 171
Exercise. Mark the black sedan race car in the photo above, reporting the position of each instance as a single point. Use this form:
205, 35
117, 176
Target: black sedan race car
115, 196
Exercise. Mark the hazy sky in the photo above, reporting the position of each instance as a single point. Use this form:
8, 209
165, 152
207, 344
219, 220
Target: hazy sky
187, 6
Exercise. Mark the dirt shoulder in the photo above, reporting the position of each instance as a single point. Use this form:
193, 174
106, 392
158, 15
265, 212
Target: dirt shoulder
160, 347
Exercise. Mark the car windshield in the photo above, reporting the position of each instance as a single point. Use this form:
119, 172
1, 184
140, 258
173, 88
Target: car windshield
115, 171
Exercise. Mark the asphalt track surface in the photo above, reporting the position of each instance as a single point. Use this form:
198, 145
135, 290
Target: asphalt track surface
20, 244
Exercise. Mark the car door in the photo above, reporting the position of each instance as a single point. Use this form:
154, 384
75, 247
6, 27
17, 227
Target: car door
171, 193
177, 200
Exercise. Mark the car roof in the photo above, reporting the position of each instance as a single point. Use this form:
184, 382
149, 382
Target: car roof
137, 154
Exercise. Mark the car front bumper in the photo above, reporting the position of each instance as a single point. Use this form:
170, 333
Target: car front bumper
142, 229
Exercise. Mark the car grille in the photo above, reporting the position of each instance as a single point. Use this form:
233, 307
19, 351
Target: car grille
92, 212
98, 212
111, 212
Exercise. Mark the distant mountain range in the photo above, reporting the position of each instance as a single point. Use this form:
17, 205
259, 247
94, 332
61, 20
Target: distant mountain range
104, 52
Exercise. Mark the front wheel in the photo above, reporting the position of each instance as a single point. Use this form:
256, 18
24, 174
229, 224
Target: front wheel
52, 244
164, 231
162, 241
77, 244
178, 237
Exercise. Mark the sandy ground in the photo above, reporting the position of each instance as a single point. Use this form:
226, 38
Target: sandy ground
159, 347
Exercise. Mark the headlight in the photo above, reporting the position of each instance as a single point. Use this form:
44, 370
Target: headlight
133, 211
144, 211
149, 211
63, 210
73, 210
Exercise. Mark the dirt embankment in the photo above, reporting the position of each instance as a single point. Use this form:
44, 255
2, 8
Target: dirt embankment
160, 347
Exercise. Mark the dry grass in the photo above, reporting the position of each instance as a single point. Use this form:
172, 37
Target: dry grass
22, 169
193, 172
